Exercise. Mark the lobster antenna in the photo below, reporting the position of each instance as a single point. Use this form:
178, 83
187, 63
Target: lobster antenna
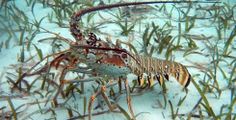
76, 17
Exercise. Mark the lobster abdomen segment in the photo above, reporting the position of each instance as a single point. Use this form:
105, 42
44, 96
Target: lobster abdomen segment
159, 69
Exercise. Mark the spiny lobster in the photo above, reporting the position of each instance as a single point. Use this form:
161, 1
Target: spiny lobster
103, 58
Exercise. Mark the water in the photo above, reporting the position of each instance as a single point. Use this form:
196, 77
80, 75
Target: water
40, 80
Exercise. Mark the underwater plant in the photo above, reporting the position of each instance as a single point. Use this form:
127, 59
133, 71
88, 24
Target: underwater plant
91, 59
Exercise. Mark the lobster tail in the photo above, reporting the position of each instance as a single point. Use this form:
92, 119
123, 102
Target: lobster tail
184, 76
174, 69
181, 74
159, 69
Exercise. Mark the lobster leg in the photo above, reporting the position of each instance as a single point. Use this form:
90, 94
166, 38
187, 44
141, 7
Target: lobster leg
91, 101
61, 85
93, 97
120, 85
110, 105
128, 98
66, 69
62, 80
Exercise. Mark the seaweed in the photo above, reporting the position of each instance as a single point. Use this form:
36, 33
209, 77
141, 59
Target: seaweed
174, 36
